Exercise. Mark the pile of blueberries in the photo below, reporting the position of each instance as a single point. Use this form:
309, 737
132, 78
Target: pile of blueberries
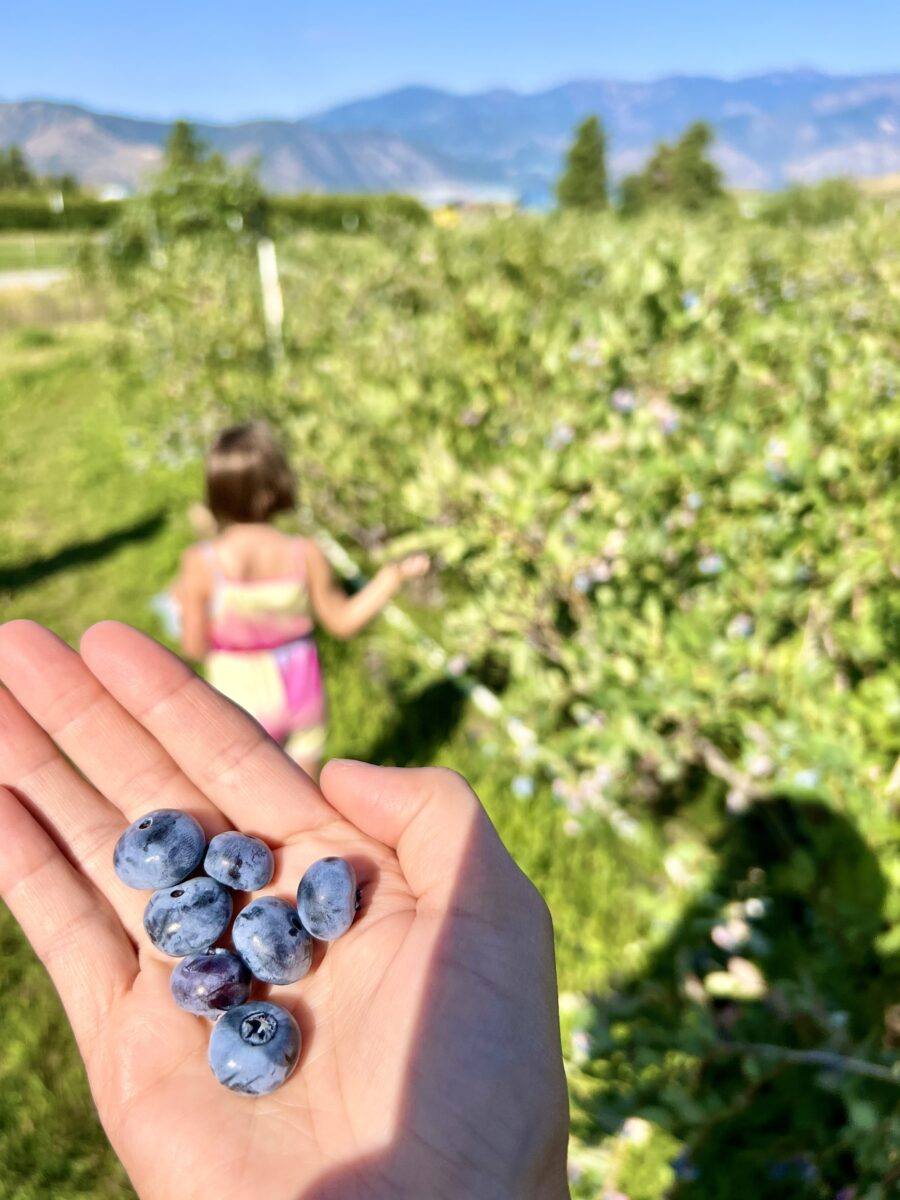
254, 1045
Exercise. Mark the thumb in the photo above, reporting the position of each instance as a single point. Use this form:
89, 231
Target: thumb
433, 820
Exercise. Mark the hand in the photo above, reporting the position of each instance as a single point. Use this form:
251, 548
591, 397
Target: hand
431, 1064
414, 566
201, 521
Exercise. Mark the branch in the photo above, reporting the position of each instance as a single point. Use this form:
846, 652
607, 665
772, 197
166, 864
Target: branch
814, 1058
720, 766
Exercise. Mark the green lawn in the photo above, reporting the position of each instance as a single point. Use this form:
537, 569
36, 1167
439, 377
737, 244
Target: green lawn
25, 251
83, 537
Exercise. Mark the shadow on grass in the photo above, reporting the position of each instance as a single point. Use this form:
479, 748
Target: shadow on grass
79, 554
780, 952
420, 725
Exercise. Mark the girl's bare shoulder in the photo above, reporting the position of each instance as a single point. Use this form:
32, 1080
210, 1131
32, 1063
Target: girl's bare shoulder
259, 552
285, 543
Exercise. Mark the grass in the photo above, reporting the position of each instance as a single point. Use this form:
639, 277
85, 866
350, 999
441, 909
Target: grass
30, 251
83, 537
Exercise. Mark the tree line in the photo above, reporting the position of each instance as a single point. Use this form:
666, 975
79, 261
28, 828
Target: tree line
679, 174
183, 150
16, 175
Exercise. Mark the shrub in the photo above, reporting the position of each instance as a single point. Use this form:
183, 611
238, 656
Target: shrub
31, 212
816, 204
343, 214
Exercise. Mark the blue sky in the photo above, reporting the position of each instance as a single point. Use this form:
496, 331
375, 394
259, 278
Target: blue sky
222, 59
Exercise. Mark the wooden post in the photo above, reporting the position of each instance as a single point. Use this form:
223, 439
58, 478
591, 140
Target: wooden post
272, 299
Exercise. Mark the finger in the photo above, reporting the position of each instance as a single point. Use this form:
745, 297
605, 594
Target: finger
445, 843
222, 750
76, 815
113, 750
72, 929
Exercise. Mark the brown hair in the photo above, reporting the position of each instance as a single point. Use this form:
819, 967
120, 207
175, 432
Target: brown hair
248, 477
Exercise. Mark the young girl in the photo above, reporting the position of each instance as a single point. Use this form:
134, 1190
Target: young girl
249, 595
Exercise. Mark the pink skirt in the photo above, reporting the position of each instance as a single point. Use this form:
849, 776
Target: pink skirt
281, 687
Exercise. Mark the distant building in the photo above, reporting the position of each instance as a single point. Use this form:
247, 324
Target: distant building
113, 191
451, 194
448, 216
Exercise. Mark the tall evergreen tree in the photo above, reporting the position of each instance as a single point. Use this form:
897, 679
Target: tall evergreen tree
67, 183
583, 182
183, 147
680, 175
698, 181
15, 174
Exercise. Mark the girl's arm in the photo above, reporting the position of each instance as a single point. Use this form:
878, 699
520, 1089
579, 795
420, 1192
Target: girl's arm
342, 615
191, 590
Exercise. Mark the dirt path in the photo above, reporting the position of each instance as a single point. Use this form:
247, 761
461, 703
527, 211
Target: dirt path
34, 279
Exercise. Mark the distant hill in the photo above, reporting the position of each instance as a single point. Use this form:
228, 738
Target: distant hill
294, 155
771, 129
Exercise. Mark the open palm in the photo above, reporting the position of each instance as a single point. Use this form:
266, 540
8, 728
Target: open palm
430, 1064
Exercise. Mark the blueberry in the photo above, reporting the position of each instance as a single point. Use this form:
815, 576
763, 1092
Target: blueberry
254, 1047
239, 861
207, 984
159, 849
272, 942
327, 899
187, 918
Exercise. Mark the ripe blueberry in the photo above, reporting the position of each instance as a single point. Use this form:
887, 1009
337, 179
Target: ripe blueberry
239, 861
207, 984
327, 899
270, 938
254, 1047
159, 849
187, 918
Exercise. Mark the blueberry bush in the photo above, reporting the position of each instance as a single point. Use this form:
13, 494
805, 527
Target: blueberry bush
655, 461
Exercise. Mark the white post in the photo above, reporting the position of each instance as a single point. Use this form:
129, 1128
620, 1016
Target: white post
272, 299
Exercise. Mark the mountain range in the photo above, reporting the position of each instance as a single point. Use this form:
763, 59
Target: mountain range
771, 129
